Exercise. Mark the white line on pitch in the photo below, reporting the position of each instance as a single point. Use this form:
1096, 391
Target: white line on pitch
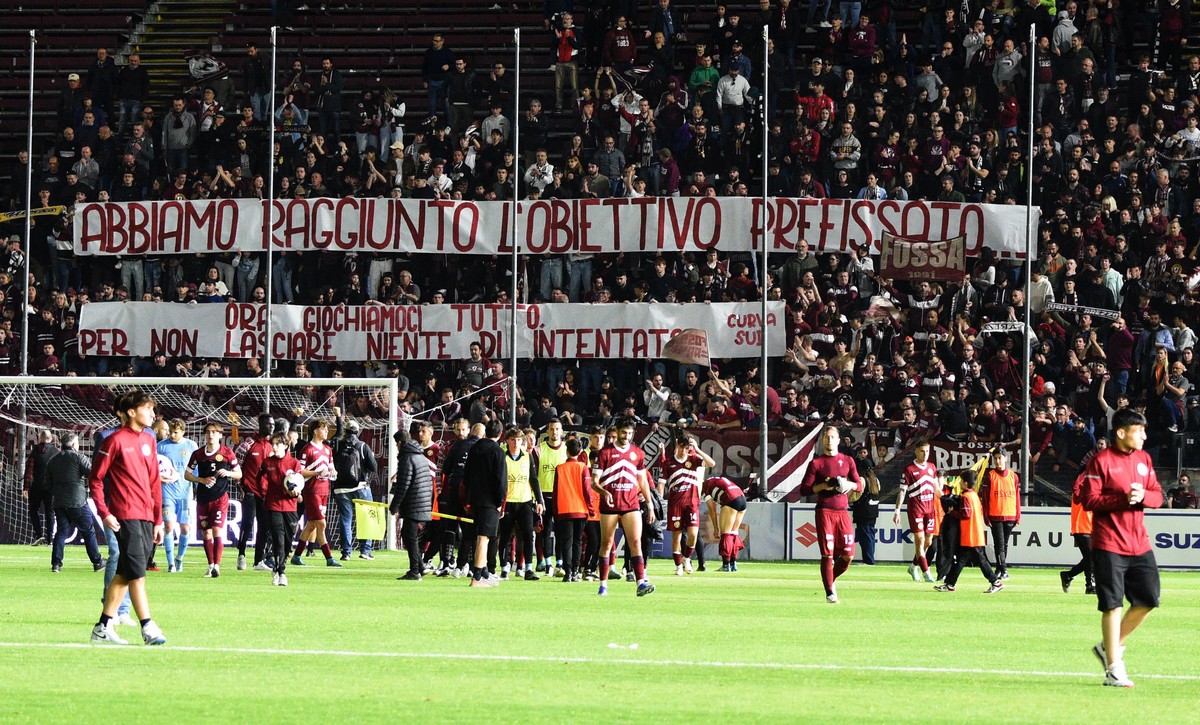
590, 660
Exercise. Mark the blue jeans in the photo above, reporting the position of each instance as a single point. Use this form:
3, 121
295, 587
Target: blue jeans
261, 103
114, 551
579, 279
129, 112
345, 504
865, 536
281, 280
246, 275
82, 519
551, 276
152, 276
815, 16
437, 98
849, 12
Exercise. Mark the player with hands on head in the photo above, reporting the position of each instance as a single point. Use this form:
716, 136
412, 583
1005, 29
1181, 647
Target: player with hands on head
680, 468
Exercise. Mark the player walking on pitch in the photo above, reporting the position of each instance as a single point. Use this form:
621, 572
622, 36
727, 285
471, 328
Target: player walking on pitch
279, 500
214, 465
317, 460
831, 475
1118, 486
129, 461
680, 468
619, 477
919, 485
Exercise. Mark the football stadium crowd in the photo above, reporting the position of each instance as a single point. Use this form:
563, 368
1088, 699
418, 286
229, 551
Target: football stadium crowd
645, 103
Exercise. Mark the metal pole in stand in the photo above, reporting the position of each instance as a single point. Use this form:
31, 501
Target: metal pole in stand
28, 212
763, 462
268, 222
1030, 252
512, 326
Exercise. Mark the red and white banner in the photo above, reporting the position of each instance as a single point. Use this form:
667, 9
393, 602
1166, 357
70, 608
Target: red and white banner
783, 478
549, 226
427, 332
910, 259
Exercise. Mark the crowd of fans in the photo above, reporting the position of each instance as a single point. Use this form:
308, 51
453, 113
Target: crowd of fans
646, 102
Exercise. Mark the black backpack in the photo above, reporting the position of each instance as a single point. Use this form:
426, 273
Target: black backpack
347, 459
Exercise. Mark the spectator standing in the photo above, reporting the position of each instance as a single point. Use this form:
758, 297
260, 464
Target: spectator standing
355, 465
566, 68
256, 83
733, 93
435, 71
460, 96
329, 100
132, 89
179, 135
101, 80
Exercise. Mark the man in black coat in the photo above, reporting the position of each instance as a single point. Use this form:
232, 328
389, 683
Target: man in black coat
37, 488
452, 500
486, 478
412, 498
68, 471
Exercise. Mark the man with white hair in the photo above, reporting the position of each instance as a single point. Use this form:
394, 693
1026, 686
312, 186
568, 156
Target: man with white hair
68, 472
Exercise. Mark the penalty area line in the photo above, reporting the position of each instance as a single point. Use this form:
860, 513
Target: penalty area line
785, 666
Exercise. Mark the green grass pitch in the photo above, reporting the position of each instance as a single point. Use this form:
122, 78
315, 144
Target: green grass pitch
761, 645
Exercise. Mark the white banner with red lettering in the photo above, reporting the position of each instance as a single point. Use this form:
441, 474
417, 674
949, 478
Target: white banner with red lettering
428, 332
550, 226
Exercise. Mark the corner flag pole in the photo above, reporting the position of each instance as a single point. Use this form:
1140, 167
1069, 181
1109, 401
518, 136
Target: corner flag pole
763, 463
1030, 251
512, 323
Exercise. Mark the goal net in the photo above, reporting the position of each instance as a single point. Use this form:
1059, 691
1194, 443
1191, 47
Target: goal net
29, 405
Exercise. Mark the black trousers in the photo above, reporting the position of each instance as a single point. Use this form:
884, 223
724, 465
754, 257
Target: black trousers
518, 522
449, 539
975, 555
1083, 542
570, 535
255, 514
550, 545
39, 507
947, 546
282, 525
1001, 532
410, 534
591, 545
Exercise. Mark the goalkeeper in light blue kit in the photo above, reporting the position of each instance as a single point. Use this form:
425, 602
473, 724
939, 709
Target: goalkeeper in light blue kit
177, 495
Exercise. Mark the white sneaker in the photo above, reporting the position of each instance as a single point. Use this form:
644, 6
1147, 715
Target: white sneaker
929, 576
102, 634
1115, 676
261, 566
559, 571
832, 599
275, 579
687, 566
152, 634
826, 24
241, 565
208, 574
679, 570
283, 580
124, 620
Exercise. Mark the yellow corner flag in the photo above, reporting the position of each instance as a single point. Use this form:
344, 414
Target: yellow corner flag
371, 518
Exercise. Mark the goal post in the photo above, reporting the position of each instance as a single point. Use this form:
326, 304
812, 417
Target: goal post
83, 405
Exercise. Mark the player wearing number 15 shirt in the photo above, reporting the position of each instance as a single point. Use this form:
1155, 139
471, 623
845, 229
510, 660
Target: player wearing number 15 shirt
831, 475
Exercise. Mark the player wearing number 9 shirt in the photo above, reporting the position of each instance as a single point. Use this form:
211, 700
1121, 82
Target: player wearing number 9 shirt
831, 475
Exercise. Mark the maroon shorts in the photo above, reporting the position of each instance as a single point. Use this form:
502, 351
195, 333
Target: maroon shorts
211, 515
835, 533
315, 505
682, 516
920, 517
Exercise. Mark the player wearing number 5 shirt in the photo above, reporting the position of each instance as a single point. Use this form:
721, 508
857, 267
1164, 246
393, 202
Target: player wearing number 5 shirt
830, 476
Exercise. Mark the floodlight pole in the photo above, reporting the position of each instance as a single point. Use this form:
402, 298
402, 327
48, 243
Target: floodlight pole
512, 323
1030, 251
763, 462
28, 212
268, 223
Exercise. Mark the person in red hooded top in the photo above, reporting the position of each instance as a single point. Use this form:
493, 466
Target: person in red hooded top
1118, 486
126, 488
830, 476
254, 512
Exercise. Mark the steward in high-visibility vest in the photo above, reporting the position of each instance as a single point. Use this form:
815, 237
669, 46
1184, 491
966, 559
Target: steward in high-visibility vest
968, 509
551, 452
1081, 531
1001, 496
